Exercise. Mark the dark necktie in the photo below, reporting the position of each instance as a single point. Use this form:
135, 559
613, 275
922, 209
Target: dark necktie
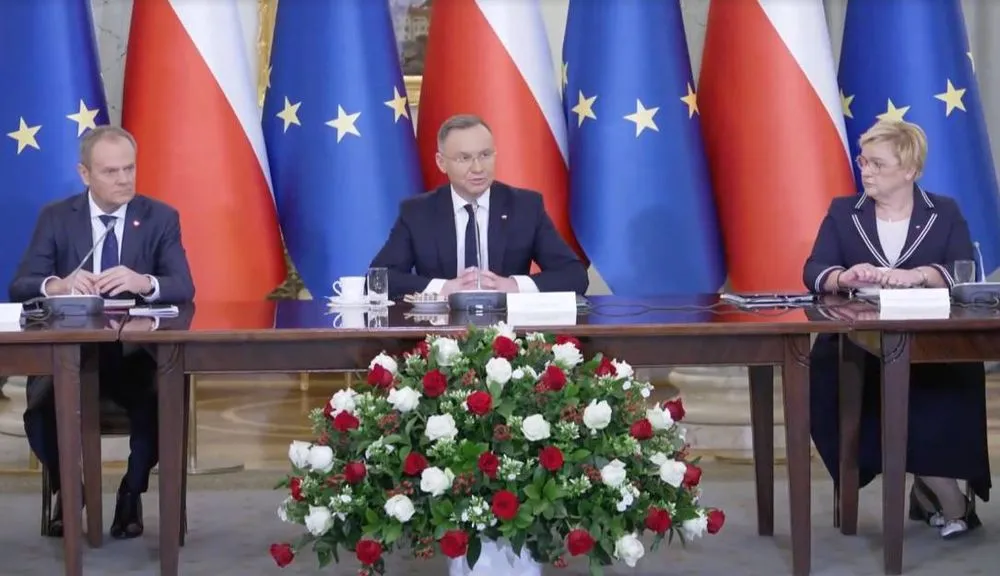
471, 258
109, 252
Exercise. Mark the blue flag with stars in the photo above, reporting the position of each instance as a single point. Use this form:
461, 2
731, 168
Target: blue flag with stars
339, 134
906, 60
640, 197
52, 94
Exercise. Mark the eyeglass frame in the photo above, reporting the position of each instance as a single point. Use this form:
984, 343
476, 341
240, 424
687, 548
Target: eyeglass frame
465, 160
876, 166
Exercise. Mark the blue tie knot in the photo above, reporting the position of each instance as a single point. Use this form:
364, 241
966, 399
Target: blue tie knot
107, 219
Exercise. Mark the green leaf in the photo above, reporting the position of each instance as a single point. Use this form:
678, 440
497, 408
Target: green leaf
595, 567
391, 532
579, 455
533, 492
547, 511
371, 516
551, 490
472, 554
506, 409
571, 391
517, 542
392, 439
495, 390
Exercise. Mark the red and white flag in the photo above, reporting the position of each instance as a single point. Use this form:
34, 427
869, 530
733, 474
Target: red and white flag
191, 102
492, 58
773, 123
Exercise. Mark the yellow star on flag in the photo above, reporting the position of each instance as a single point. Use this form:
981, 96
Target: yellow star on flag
691, 99
25, 136
845, 104
584, 108
344, 123
953, 98
290, 114
398, 105
643, 118
84, 118
893, 114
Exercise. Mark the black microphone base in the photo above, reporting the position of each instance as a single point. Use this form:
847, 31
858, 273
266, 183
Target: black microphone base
478, 301
978, 293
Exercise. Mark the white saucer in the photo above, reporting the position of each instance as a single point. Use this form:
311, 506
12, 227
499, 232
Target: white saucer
364, 303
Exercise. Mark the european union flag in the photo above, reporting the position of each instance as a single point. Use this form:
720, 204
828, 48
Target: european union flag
906, 60
640, 196
339, 134
52, 94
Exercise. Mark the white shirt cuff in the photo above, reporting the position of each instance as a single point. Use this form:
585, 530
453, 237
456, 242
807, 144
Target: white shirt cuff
434, 286
44, 282
525, 284
156, 289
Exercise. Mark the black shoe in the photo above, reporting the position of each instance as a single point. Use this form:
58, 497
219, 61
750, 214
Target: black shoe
128, 514
55, 528
919, 513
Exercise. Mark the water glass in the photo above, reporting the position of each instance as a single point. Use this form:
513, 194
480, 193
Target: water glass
378, 286
965, 271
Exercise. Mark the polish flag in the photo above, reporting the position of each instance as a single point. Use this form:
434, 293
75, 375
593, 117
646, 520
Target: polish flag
492, 58
191, 102
774, 131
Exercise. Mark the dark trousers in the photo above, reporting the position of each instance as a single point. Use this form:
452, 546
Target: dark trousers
128, 380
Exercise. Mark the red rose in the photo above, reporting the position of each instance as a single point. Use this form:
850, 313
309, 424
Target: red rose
504, 505
282, 554
434, 383
479, 402
551, 458
414, 464
422, 349
658, 520
379, 377
676, 409
716, 518
328, 410
579, 541
295, 485
605, 368
345, 421
692, 476
641, 429
454, 543
504, 347
553, 378
368, 551
488, 464
566, 339
355, 472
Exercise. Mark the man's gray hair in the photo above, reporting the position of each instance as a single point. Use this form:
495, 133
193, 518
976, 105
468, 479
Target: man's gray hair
459, 122
103, 132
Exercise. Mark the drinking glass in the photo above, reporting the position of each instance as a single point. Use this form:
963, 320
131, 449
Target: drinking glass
378, 286
965, 271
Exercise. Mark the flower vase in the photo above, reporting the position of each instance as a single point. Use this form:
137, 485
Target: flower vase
497, 559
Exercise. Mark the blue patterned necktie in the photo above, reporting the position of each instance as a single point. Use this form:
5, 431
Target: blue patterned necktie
109, 252
471, 257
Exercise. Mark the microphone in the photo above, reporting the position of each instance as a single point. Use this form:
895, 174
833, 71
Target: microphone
479, 245
98, 242
979, 262
73, 304
478, 300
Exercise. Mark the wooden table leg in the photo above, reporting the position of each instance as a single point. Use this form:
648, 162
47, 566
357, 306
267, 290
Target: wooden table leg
795, 390
90, 424
66, 381
170, 390
852, 359
762, 431
895, 419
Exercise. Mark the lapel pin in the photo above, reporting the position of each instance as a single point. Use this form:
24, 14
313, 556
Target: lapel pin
503, 216
135, 223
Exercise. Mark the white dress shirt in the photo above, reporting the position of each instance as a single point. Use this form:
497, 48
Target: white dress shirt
524, 283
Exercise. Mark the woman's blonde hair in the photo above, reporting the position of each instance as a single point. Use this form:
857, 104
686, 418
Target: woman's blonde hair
907, 138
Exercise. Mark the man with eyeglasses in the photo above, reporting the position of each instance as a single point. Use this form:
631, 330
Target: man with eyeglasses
432, 246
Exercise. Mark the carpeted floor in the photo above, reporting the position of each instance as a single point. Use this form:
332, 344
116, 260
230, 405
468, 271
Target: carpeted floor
233, 521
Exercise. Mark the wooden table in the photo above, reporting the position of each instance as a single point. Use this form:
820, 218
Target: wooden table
299, 336
967, 335
67, 349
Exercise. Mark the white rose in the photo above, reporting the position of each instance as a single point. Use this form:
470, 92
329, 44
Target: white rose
658, 458
623, 369
505, 330
535, 428
321, 458
525, 371
498, 370
405, 399
318, 520
695, 527
298, 453
446, 351
399, 507
597, 415
387, 362
435, 481
567, 355
629, 549
441, 426
659, 418
343, 401
672, 472
613, 473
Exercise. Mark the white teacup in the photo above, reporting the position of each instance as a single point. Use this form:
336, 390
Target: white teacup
350, 288
350, 319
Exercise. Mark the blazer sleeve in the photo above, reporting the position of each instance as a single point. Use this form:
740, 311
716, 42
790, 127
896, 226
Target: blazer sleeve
826, 256
171, 267
959, 246
397, 256
561, 269
38, 261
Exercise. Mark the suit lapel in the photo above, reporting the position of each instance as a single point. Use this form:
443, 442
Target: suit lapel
133, 233
864, 223
444, 223
921, 220
497, 232
81, 233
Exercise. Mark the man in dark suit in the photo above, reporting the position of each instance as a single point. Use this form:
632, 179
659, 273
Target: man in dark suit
137, 254
432, 245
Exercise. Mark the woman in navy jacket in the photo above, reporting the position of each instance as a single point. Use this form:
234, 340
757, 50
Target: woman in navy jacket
898, 235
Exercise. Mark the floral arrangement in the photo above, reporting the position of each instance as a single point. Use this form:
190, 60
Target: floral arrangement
494, 439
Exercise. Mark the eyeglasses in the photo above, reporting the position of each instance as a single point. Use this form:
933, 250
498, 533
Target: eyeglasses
875, 165
465, 160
